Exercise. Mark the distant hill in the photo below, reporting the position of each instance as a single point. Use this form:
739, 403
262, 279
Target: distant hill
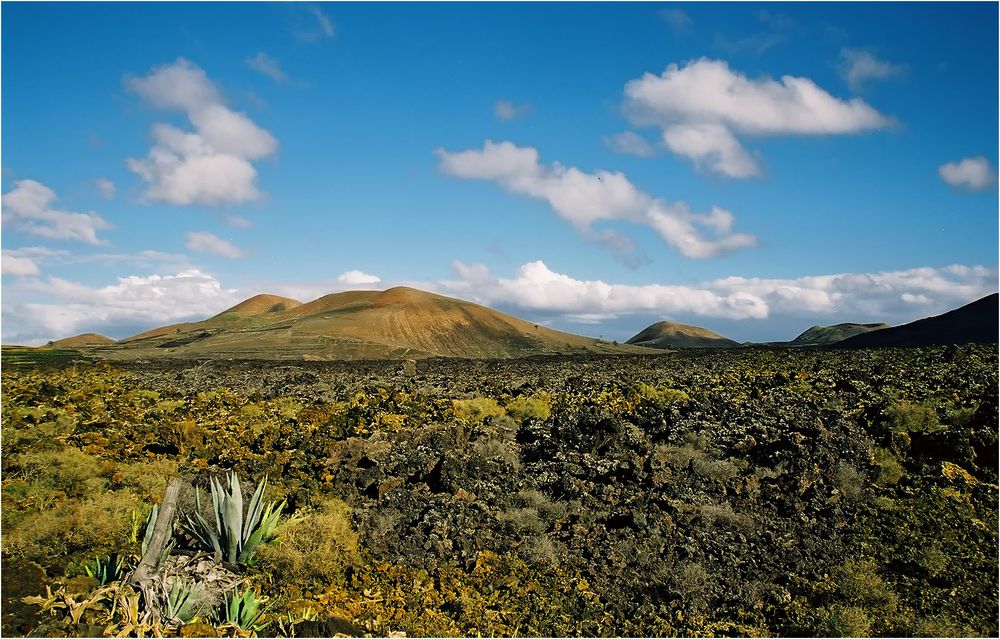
974, 322
398, 323
673, 335
85, 339
822, 335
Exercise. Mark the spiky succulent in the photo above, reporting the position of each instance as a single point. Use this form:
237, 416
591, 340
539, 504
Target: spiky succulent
243, 610
182, 602
236, 534
106, 569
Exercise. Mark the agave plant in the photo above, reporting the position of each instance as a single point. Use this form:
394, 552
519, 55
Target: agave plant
243, 610
182, 602
106, 569
236, 534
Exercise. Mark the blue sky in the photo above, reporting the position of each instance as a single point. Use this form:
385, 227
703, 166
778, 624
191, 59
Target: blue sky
754, 168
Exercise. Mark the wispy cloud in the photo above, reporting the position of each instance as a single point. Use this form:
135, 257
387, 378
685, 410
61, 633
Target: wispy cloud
583, 199
702, 106
679, 21
105, 187
314, 26
630, 143
859, 67
266, 65
203, 242
210, 166
507, 110
237, 222
29, 208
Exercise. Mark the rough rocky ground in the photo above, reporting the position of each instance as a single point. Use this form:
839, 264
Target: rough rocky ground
739, 492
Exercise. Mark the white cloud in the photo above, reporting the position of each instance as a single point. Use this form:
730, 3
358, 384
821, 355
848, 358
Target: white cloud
585, 198
713, 146
17, 266
203, 242
971, 174
265, 64
883, 296
535, 287
237, 222
703, 105
858, 66
630, 143
211, 166
507, 110
358, 278
28, 207
105, 187
132, 304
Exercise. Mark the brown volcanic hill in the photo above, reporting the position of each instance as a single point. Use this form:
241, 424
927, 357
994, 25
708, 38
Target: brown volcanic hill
85, 339
261, 304
673, 335
974, 322
400, 322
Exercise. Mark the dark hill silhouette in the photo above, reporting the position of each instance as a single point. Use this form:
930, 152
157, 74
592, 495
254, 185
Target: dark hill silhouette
974, 322
822, 335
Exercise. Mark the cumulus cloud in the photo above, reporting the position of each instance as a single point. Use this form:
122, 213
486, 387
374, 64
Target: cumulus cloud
131, 305
858, 67
28, 207
713, 146
889, 295
970, 174
704, 105
537, 288
358, 278
203, 242
266, 65
630, 143
507, 110
583, 199
210, 166
105, 187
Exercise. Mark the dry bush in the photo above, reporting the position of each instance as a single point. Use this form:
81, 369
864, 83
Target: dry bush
313, 550
476, 409
538, 406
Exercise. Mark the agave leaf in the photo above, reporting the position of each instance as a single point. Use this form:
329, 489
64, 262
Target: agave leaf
236, 497
150, 525
256, 505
